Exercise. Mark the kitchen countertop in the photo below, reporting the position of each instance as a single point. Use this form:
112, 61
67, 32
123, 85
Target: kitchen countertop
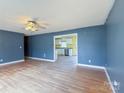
63, 48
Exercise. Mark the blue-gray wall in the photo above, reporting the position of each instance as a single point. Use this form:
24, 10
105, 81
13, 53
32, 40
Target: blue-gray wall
115, 43
10, 43
91, 45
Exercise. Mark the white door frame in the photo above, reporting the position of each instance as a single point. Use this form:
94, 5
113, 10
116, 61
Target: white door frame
57, 36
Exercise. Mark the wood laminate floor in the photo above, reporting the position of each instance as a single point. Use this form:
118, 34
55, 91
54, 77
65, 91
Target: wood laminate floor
63, 76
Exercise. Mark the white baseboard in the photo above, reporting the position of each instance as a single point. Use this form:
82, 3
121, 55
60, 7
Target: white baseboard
92, 66
109, 80
100, 67
41, 59
12, 62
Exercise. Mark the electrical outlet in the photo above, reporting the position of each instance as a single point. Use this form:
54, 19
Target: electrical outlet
44, 55
115, 83
20, 47
105, 64
1, 60
89, 61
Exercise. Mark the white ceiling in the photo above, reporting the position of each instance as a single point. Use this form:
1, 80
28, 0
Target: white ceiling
59, 14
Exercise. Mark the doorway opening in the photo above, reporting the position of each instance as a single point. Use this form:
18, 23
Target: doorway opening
66, 46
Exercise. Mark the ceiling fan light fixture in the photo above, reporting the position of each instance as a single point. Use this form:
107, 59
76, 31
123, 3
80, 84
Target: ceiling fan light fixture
31, 26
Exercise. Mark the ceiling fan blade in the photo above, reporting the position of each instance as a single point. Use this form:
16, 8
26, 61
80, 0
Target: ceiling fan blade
24, 19
43, 23
43, 26
36, 19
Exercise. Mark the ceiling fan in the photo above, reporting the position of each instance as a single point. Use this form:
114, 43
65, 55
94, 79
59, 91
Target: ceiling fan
32, 24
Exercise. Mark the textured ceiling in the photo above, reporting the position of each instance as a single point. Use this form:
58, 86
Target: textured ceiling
59, 14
